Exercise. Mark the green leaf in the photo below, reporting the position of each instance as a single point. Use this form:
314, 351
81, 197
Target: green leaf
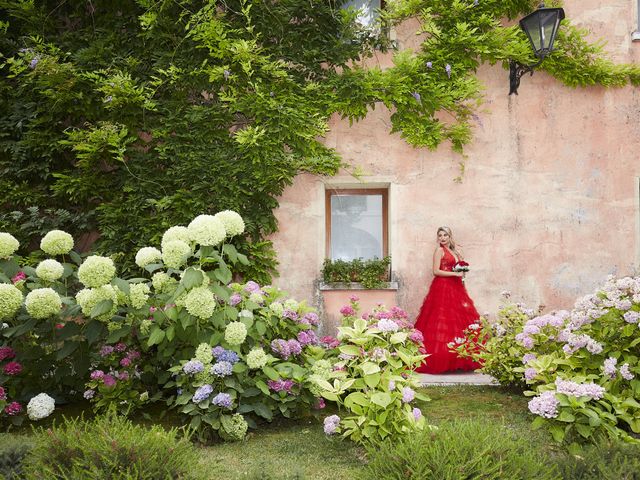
152, 267
566, 416
271, 373
192, 278
170, 333
118, 334
357, 398
121, 284
77, 259
67, 349
93, 330
231, 252
101, 308
372, 380
156, 336
263, 387
261, 328
262, 410
369, 368
382, 399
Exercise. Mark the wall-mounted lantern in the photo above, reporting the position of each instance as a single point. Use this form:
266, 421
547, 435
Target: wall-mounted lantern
541, 28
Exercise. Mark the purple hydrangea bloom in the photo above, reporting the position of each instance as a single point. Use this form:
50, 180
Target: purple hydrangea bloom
528, 357
331, 424
222, 369
235, 299
281, 348
609, 367
106, 350
417, 96
530, 374
408, 394
310, 318
222, 400
34, 62
89, 394
429, 64
626, 373
591, 390
202, 393
447, 69
347, 311
228, 356
417, 414
545, 405
193, 366
294, 347
290, 314
251, 287
96, 375
281, 385
386, 325
307, 337
217, 351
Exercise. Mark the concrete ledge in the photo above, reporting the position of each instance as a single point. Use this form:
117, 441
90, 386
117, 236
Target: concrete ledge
462, 378
355, 286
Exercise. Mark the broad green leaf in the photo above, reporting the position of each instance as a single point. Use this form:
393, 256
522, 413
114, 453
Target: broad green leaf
156, 336
67, 349
101, 308
192, 278
382, 399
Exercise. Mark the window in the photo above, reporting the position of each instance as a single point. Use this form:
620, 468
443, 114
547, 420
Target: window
635, 36
368, 10
357, 224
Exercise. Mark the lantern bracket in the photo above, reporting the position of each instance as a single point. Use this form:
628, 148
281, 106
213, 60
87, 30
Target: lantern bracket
516, 71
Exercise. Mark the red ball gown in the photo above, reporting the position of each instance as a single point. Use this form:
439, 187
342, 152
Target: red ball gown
446, 311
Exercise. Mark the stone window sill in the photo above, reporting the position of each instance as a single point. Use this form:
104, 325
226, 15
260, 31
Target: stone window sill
355, 286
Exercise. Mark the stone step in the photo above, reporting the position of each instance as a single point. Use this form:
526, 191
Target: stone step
457, 378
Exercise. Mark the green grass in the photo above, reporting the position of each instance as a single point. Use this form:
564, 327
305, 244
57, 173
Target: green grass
300, 450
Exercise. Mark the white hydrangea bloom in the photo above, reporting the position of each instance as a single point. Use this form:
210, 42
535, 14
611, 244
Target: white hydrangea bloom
207, 230
10, 300
88, 298
175, 253
147, 256
8, 245
43, 303
235, 333
40, 406
138, 294
96, 271
256, 358
49, 270
200, 302
232, 221
56, 242
176, 233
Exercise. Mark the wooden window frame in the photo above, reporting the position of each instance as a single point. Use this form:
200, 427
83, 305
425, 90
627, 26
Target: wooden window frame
357, 191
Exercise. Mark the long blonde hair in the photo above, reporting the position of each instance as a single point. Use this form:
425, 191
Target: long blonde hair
452, 243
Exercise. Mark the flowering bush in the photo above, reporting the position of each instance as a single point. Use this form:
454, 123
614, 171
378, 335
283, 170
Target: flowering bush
373, 377
258, 365
498, 345
584, 364
115, 382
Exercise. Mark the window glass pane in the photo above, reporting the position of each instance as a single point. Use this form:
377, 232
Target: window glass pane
367, 10
356, 226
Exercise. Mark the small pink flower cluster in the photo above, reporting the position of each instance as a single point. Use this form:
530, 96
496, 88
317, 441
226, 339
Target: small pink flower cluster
281, 385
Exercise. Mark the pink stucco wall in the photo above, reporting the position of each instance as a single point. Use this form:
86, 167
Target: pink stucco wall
549, 202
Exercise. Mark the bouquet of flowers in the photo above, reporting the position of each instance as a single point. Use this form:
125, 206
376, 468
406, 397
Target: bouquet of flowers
461, 266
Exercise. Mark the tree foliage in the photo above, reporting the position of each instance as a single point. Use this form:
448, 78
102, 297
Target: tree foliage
132, 116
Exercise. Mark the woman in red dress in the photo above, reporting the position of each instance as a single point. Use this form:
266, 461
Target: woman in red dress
446, 311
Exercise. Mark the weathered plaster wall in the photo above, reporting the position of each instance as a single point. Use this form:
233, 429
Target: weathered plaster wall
549, 202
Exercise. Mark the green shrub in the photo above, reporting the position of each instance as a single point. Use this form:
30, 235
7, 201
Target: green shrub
606, 460
111, 447
457, 450
371, 273
11, 458
374, 378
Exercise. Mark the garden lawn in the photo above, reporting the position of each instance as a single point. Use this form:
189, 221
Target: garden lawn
300, 450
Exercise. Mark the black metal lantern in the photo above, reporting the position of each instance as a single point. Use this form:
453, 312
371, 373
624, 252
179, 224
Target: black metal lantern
541, 28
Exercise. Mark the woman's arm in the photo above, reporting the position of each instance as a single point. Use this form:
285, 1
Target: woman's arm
437, 256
